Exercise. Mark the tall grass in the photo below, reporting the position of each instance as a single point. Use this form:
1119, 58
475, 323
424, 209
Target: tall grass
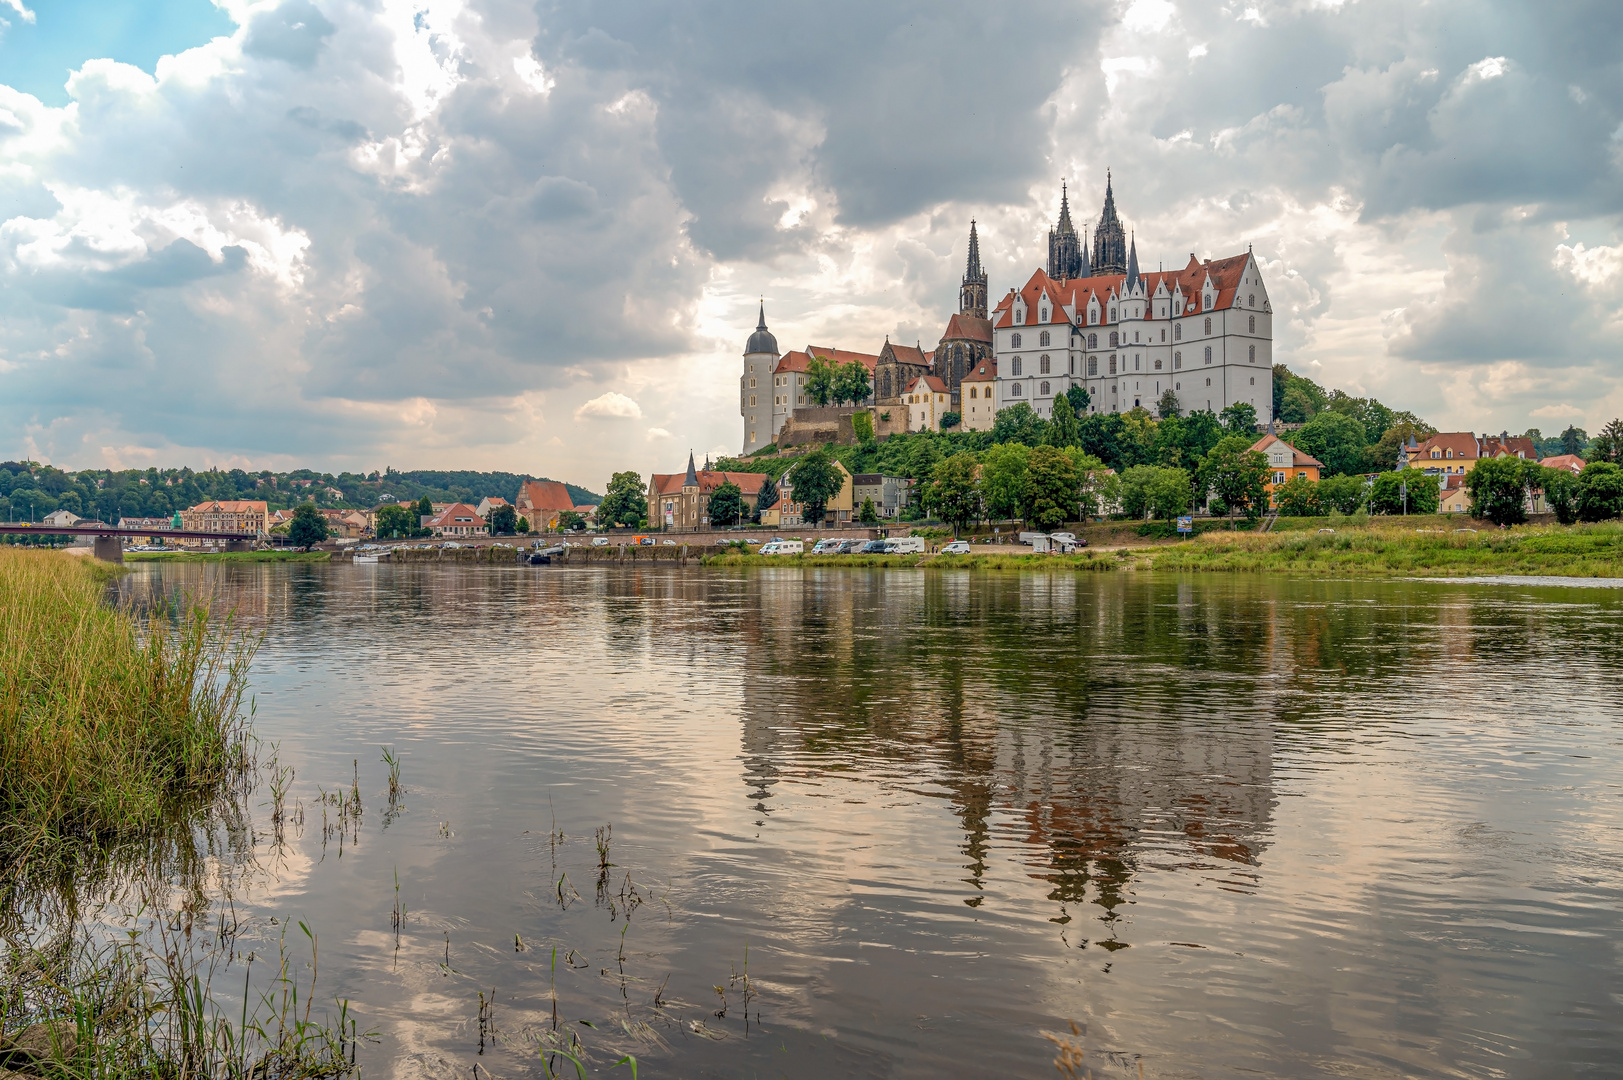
109, 722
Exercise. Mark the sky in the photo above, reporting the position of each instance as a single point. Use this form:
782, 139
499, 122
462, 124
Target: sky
350, 234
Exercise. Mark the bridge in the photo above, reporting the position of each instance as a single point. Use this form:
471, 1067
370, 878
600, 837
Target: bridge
107, 546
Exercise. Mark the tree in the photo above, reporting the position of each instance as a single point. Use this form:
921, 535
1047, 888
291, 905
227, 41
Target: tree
1092, 480
308, 528
767, 497
524, 523
1608, 445
425, 508
1342, 494
953, 493
815, 479
1153, 491
851, 383
1018, 423
1238, 475
1574, 440
1169, 407
821, 375
1240, 419
1387, 496
396, 521
726, 505
1298, 497
1080, 400
1336, 439
1561, 492
1600, 490
862, 425
503, 521
625, 502
1003, 480
1181, 442
950, 420
869, 514
1063, 429
1052, 488
1498, 488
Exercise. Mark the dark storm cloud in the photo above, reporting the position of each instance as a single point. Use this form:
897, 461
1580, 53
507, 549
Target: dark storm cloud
295, 32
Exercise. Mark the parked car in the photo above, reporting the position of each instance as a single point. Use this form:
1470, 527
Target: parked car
957, 547
600, 541
873, 547
905, 545
828, 546
751, 540
645, 541
783, 547
670, 543
851, 547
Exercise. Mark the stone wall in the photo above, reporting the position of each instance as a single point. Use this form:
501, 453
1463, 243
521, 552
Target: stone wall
819, 424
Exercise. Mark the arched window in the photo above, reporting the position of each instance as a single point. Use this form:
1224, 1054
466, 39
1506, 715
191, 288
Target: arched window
1019, 316
1093, 341
1015, 368
1042, 365
1158, 365
1208, 382
1043, 315
1014, 341
1251, 301
1177, 332
1112, 363
1177, 361
1114, 340
1112, 314
1044, 389
1253, 319
1042, 338
1208, 324
1015, 391
1253, 380
1093, 366
1208, 354
1253, 354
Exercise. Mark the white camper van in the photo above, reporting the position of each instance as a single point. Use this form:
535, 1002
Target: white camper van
784, 547
905, 545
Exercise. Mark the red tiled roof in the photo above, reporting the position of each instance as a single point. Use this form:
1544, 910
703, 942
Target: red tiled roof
1299, 459
967, 328
985, 371
1570, 462
909, 354
544, 495
1226, 275
449, 515
844, 356
709, 480
1512, 445
930, 383
229, 506
1463, 443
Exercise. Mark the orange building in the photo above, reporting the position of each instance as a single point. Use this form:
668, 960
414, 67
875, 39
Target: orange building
1285, 462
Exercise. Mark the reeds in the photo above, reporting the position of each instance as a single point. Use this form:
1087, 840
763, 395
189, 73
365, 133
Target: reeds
109, 722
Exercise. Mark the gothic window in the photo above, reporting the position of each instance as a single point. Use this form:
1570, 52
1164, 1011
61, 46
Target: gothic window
1093, 341
1251, 301
1177, 361
1208, 354
1043, 315
1253, 324
1042, 338
1015, 370
1177, 332
1158, 365
1014, 341
1015, 391
1112, 363
1112, 314
1253, 354
972, 393
1093, 365
1112, 339
1163, 333
1208, 324
1044, 389
1042, 364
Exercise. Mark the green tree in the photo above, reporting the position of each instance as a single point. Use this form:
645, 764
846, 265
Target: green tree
425, 508
1238, 475
1063, 429
1342, 494
308, 527
821, 377
1608, 445
1003, 480
1561, 492
1387, 495
953, 493
524, 523
1498, 488
1298, 497
726, 505
395, 522
816, 479
1154, 491
1052, 487
1018, 423
1169, 407
625, 502
1336, 439
869, 514
503, 521
1240, 419
1181, 442
950, 420
1574, 440
851, 383
1092, 481
1080, 400
767, 497
1600, 490
862, 425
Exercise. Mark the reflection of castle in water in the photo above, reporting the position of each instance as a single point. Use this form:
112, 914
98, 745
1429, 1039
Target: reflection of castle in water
1087, 720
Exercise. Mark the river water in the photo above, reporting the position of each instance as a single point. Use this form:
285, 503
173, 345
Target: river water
1227, 826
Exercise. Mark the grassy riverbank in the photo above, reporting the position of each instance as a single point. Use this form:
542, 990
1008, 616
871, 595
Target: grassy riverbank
229, 556
1350, 551
105, 725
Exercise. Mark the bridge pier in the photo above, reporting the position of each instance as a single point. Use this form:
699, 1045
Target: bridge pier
108, 549
238, 545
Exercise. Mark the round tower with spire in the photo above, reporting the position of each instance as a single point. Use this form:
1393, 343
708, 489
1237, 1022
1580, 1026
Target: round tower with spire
755, 385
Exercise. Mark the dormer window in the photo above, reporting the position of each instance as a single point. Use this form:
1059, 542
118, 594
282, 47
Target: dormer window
1043, 315
1112, 314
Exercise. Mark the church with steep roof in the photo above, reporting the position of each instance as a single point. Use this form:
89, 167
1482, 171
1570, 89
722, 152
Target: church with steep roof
1091, 319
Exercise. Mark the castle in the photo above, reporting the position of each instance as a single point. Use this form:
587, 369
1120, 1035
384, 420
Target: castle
1091, 320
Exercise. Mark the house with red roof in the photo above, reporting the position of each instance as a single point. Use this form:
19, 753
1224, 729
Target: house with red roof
926, 400
457, 520
540, 502
681, 501
1285, 462
976, 393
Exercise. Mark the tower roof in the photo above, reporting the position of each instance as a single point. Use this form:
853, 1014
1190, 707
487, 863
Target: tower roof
1064, 225
762, 340
692, 478
1132, 263
972, 269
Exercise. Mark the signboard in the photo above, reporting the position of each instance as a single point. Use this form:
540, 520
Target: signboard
1186, 525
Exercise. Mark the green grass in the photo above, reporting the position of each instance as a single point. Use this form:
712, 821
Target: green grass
230, 556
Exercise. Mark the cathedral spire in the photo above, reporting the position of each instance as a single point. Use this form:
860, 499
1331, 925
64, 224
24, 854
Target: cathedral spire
692, 478
1132, 263
1109, 239
1064, 246
972, 295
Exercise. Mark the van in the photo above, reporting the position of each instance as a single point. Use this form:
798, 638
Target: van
784, 547
600, 541
827, 546
1028, 537
905, 545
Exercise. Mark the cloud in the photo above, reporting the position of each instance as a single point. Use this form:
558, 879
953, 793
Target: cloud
609, 406
658, 433
23, 12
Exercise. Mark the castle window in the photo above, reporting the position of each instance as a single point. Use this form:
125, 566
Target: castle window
1042, 338
972, 392
1015, 391
1014, 341
1093, 365
1112, 363
1253, 324
1208, 354
1020, 316
1043, 315
1253, 354
1135, 335
1251, 301
1163, 333
1044, 389
1015, 370
1113, 339
1177, 332
1073, 366
1208, 382
1253, 380
752, 384
752, 401
1177, 360
1158, 365
1208, 324
1093, 341
1112, 314
1043, 364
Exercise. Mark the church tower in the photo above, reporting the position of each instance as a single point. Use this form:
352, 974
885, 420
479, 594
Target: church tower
972, 297
1065, 258
1109, 239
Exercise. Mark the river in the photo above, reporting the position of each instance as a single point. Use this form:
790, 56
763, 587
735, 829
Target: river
1227, 826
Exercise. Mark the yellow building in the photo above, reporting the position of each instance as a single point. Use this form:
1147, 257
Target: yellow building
786, 511
976, 397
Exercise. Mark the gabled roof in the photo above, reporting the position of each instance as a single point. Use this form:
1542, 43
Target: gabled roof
449, 515
1463, 443
544, 495
1511, 445
229, 506
929, 382
1571, 462
844, 356
709, 480
967, 328
1299, 459
1226, 275
908, 354
793, 360
985, 371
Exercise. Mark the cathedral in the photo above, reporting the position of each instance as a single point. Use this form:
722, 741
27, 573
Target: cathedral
1091, 320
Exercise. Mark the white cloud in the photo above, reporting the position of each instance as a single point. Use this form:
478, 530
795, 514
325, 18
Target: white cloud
658, 433
609, 406
1491, 67
23, 13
